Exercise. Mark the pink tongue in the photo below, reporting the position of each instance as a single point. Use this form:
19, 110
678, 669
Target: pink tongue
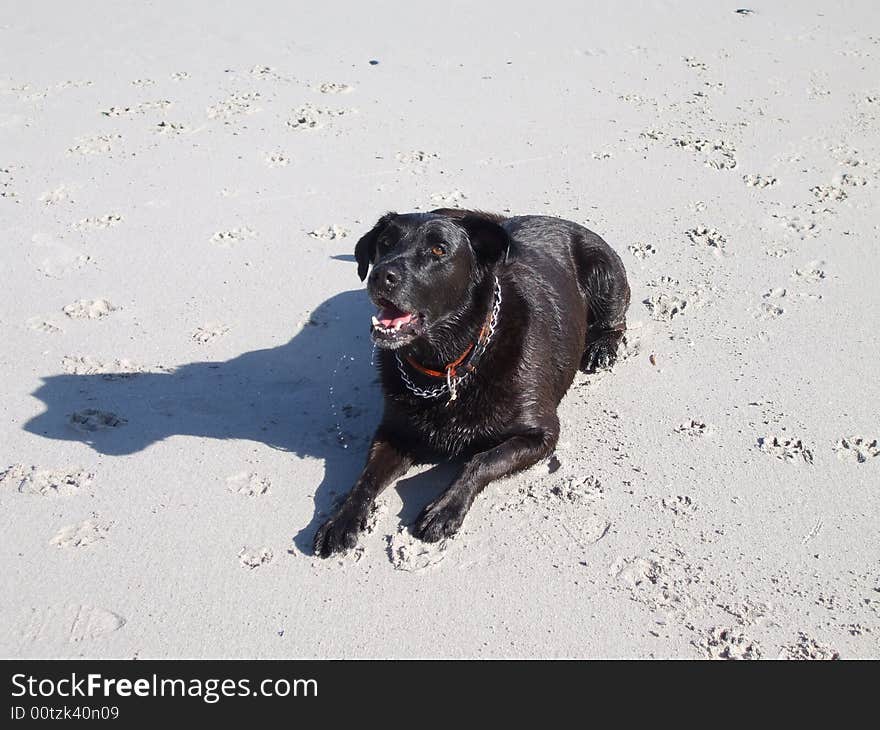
391, 316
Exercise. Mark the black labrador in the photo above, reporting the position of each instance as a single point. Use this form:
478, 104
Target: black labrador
482, 323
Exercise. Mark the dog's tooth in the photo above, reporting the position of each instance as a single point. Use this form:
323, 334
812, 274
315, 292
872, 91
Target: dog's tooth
376, 321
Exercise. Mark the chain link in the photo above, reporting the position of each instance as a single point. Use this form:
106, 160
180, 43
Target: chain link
452, 383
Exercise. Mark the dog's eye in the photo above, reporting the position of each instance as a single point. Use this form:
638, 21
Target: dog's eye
438, 250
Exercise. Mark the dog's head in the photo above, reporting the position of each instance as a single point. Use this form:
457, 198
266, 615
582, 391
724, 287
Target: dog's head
425, 269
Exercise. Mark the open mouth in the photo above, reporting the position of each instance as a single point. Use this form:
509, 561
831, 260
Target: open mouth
393, 327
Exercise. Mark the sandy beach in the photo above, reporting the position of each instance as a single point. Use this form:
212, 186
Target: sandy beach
186, 368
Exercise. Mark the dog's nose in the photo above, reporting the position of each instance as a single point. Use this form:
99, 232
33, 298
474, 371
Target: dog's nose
387, 278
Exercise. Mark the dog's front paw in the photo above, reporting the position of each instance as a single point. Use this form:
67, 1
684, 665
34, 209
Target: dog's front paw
601, 353
440, 520
338, 534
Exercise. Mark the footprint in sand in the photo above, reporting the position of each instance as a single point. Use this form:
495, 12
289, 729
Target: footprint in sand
416, 161
411, 555
276, 159
109, 370
89, 309
73, 84
142, 108
642, 250
309, 116
759, 181
639, 100
453, 198
38, 324
636, 573
415, 157
848, 180
248, 484
575, 489
828, 192
171, 129
701, 235
679, 504
695, 63
72, 623
812, 272
6, 181
65, 262
237, 104
808, 648
785, 448
91, 419
663, 281
329, 232
717, 154
769, 309
99, 144
254, 558
61, 194
333, 87
653, 135
589, 530
46, 482
728, 644
694, 429
665, 307
101, 222
208, 333
798, 226
233, 236
81, 535
858, 449
268, 73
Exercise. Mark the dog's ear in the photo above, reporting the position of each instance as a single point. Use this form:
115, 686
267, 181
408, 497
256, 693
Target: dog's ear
489, 241
365, 250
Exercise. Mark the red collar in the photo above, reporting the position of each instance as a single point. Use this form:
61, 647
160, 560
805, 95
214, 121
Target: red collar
451, 370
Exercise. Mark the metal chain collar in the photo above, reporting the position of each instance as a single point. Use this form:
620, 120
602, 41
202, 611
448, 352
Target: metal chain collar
452, 382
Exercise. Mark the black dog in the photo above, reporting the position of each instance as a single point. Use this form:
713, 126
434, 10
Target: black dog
483, 322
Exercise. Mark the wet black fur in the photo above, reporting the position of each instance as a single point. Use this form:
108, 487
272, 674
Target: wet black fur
564, 302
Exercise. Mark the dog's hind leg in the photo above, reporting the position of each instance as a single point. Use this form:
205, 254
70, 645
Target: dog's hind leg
602, 278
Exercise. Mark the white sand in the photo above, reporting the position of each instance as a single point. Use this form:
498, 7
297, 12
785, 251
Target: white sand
186, 367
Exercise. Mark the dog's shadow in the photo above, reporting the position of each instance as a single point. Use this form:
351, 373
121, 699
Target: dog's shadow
315, 396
